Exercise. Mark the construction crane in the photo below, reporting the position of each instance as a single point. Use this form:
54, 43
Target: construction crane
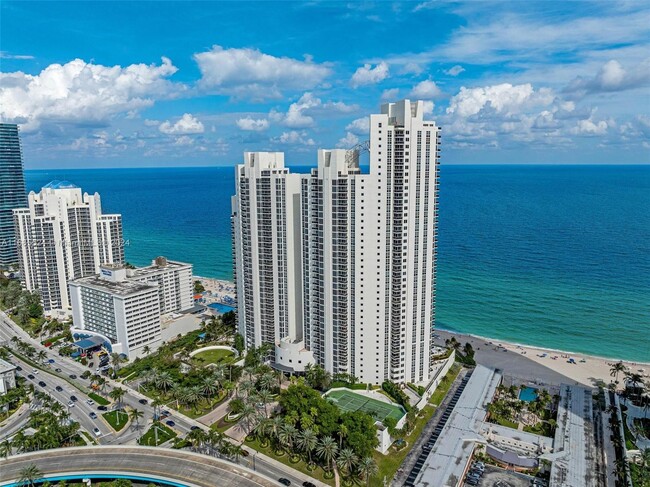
352, 155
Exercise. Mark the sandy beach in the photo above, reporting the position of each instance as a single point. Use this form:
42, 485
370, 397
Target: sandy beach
217, 289
534, 362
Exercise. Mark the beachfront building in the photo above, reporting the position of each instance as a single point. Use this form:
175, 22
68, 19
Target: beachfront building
12, 190
174, 280
337, 267
7, 376
119, 310
64, 235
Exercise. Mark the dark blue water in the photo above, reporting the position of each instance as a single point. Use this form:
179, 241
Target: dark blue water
553, 256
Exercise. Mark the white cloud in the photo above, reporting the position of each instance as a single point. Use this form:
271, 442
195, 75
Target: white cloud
187, 124
151, 123
78, 92
294, 137
360, 126
412, 68
613, 77
249, 72
454, 70
295, 117
367, 75
504, 98
340, 106
390, 94
250, 124
589, 127
6, 55
184, 140
347, 142
426, 90
428, 107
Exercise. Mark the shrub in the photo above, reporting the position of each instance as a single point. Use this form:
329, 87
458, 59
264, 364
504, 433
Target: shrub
397, 394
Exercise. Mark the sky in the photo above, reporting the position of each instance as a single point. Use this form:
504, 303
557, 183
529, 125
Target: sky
149, 84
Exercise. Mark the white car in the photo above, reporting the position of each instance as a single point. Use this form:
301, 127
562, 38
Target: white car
97, 432
90, 402
70, 404
35, 371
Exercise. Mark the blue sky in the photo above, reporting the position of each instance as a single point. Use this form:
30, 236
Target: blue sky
116, 84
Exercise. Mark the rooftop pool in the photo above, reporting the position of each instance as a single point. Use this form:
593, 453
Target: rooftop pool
221, 308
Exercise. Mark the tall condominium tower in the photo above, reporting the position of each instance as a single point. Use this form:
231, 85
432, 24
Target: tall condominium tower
338, 267
63, 235
12, 190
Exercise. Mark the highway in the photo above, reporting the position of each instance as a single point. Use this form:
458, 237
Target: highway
128, 436
188, 468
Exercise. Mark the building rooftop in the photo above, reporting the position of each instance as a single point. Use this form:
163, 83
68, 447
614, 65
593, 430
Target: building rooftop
6, 366
448, 459
121, 288
160, 263
574, 452
56, 184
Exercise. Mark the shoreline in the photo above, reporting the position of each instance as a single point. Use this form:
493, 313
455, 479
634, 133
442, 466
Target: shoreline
541, 348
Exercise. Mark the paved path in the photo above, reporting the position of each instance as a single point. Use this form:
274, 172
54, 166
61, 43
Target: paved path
213, 416
191, 469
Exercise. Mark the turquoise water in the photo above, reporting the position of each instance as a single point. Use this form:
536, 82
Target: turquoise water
221, 308
552, 256
528, 394
102, 477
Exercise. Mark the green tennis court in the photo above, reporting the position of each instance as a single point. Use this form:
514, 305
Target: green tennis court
350, 401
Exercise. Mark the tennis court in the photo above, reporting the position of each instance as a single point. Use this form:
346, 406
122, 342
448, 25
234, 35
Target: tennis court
350, 401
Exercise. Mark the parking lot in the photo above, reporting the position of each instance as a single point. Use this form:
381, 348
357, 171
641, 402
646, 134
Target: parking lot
497, 477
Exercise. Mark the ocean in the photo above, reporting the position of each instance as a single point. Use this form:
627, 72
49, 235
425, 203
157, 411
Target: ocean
550, 256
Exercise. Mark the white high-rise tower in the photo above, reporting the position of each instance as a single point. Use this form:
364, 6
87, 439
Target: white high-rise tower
63, 235
337, 267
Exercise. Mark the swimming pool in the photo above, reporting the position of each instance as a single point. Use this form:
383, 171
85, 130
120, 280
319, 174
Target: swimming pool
528, 394
221, 308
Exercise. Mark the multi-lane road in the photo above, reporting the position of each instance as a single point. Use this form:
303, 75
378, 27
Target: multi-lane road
81, 411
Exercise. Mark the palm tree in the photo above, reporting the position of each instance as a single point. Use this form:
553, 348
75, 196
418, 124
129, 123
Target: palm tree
163, 381
5, 448
135, 415
368, 468
197, 438
117, 360
620, 467
117, 394
307, 441
41, 355
265, 397
29, 475
177, 392
347, 460
286, 435
343, 432
146, 349
327, 450
209, 387
615, 369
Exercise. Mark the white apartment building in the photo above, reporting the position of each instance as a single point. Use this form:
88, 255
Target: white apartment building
61, 236
124, 311
337, 267
174, 280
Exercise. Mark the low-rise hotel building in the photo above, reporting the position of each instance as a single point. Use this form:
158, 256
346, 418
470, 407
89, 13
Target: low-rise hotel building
124, 306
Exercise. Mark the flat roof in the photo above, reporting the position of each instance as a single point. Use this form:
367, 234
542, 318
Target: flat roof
121, 288
573, 457
6, 366
448, 458
153, 269
90, 342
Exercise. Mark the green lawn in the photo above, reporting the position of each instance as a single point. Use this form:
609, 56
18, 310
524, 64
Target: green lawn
164, 434
540, 428
117, 419
503, 421
389, 463
301, 466
629, 437
214, 357
99, 399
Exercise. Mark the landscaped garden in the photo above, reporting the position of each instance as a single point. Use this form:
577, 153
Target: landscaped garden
218, 356
117, 419
156, 435
537, 414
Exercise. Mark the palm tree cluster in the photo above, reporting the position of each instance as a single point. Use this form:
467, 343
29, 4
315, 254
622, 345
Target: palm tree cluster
23, 348
621, 469
54, 429
193, 389
508, 406
214, 443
